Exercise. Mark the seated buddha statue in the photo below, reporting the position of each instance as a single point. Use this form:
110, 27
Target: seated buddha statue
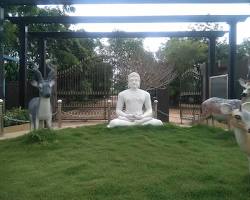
137, 103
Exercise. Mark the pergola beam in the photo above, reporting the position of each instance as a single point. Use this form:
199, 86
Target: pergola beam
49, 2
127, 19
211, 35
57, 35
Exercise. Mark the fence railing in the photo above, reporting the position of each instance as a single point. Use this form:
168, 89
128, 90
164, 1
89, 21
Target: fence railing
58, 114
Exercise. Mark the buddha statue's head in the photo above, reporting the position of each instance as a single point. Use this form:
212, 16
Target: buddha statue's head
134, 80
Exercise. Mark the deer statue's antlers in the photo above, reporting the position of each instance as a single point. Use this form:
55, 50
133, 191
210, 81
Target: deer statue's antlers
52, 74
37, 74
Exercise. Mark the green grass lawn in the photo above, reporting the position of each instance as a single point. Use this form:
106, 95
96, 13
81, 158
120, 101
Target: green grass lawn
136, 163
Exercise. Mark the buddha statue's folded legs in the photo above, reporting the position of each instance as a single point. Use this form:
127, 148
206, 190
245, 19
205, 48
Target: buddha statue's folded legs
123, 121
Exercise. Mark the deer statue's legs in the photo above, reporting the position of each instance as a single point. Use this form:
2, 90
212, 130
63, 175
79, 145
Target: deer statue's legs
212, 118
32, 123
36, 124
49, 123
41, 124
228, 124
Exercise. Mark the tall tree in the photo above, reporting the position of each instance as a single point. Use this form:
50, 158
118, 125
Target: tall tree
127, 55
183, 54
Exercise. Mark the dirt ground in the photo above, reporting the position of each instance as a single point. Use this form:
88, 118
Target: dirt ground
15, 131
174, 117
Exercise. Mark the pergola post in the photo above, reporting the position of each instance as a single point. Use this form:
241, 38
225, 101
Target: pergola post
23, 33
211, 56
42, 55
232, 59
2, 89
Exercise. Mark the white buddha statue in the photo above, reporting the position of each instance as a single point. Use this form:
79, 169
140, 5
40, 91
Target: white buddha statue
138, 108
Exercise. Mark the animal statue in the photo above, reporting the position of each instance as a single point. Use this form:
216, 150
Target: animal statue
245, 95
40, 108
211, 107
240, 122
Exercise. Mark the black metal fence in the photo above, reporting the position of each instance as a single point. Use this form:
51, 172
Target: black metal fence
190, 95
85, 92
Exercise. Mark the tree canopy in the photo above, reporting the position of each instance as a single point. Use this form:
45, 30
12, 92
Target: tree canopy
128, 55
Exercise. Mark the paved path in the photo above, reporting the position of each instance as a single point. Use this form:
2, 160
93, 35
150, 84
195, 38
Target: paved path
15, 131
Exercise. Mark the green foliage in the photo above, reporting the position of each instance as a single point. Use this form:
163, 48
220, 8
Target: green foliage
11, 70
222, 52
72, 52
174, 92
206, 27
16, 113
128, 55
86, 86
183, 54
244, 48
149, 163
65, 52
66, 58
41, 136
10, 36
103, 75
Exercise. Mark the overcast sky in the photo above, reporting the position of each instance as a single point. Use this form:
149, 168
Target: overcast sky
243, 28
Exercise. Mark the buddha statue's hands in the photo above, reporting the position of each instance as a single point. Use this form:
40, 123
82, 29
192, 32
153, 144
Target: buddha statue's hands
134, 117
138, 117
131, 117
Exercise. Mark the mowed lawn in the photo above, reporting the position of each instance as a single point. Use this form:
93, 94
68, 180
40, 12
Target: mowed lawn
138, 163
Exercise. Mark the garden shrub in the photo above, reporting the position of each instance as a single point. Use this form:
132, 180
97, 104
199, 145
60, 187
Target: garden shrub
41, 136
16, 113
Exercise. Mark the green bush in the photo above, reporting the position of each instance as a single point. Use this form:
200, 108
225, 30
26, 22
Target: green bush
15, 113
41, 136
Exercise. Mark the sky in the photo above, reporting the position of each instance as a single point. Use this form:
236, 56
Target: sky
152, 44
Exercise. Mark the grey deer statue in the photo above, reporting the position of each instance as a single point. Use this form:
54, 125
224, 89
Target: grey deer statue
211, 108
240, 122
40, 108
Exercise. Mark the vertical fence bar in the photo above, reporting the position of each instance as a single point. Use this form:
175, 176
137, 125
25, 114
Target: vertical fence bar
155, 108
109, 110
59, 113
1, 118
105, 109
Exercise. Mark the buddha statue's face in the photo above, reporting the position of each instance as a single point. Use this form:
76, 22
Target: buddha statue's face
134, 81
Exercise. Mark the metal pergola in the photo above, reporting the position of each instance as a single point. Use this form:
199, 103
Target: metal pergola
23, 23
49, 2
